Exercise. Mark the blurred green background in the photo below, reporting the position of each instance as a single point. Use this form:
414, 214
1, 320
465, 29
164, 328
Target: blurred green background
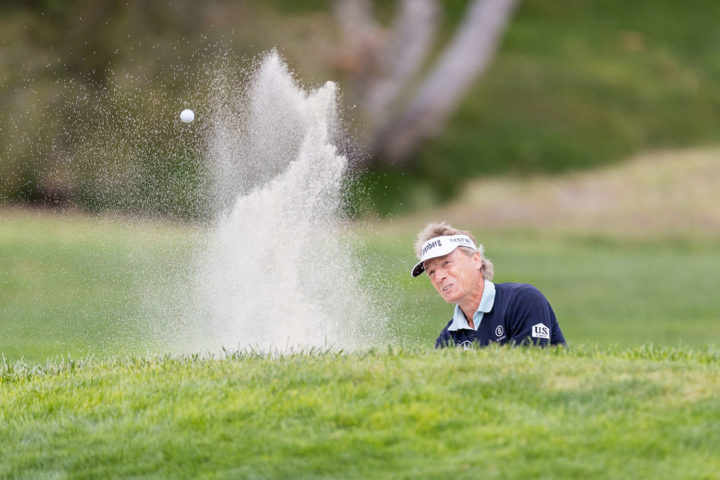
575, 85
105, 286
584, 159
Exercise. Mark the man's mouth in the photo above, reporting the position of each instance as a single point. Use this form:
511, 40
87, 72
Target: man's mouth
447, 287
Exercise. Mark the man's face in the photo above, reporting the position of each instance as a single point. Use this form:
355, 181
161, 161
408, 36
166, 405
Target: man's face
455, 275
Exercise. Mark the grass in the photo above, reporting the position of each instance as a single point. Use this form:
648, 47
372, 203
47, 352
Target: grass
492, 413
79, 399
659, 194
74, 285
77, 285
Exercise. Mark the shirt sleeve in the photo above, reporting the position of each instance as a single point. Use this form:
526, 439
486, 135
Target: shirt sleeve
531, 319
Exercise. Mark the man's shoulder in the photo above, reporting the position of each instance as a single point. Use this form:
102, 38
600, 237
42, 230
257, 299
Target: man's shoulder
519, 295
514, 289
444, 338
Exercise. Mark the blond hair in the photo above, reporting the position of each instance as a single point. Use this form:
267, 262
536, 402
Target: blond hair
440, 229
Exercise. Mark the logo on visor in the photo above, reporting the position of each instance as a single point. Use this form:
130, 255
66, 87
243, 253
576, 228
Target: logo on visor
432, 244
463, 240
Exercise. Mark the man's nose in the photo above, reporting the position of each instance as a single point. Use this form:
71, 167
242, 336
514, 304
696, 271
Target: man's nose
440, 273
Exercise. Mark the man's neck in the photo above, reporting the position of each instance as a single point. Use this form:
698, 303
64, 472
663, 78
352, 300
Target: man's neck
470, 305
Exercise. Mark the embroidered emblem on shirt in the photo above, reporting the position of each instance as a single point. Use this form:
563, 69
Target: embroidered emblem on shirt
540, 331
498, 331
466, 345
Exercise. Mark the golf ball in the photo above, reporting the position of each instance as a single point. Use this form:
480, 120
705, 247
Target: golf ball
187, 116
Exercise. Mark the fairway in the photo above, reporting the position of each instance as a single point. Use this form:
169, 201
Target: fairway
84, 285
77, 285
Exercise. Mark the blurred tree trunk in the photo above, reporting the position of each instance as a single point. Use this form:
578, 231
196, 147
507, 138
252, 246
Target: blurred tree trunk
384, 66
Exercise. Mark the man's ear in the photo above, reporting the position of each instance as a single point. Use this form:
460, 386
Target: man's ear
477, 260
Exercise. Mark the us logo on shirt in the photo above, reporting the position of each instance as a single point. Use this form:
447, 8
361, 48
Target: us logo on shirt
540, 331
499, 331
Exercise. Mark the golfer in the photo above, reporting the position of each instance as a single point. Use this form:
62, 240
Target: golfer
485, 312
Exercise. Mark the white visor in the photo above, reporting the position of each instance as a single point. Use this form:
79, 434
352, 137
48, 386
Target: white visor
439, 247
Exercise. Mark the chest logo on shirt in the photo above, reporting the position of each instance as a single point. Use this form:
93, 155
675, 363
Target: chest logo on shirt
499, 331
466, 345
540, 331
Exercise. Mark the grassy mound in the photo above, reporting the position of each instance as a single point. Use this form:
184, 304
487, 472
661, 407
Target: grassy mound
493, 413
671, 193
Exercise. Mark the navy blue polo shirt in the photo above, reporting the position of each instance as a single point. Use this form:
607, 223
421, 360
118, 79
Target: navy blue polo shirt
518, 314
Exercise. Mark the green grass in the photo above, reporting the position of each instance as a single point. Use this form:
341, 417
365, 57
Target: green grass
622, 408
87, 285
491, 413
75, 285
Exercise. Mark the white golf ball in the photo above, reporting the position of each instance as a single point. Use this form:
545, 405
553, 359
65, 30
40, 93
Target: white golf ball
187, 116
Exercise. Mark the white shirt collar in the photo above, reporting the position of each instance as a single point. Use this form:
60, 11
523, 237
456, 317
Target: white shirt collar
486, 304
